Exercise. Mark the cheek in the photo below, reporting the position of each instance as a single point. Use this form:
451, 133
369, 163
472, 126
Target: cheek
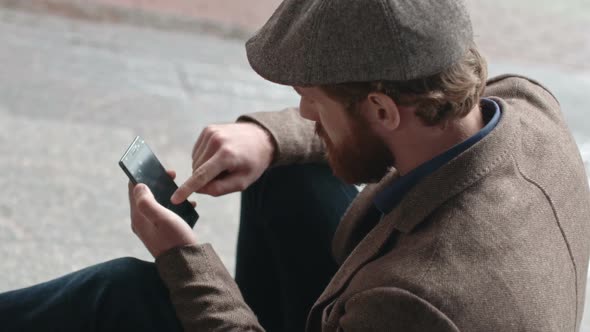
338, 131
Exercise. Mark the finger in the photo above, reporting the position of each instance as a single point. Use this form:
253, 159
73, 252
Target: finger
193, 203
204, 154
201, 144
203, 175
202, 159
130, 187
172, 173
199, 141
149, 207
139, 225
208, 148
234, 182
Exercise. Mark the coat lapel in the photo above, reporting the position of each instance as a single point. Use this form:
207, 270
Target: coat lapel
353, 226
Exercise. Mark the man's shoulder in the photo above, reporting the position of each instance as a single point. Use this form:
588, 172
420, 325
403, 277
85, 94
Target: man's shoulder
519, 87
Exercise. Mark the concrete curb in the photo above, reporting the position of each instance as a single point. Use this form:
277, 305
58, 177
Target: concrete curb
104, 13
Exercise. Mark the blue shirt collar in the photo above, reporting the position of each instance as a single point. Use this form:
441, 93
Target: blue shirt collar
391, 195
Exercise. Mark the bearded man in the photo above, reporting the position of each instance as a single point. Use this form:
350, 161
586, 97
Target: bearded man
475, 216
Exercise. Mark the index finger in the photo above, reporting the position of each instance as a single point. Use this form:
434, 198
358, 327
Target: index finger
201, 176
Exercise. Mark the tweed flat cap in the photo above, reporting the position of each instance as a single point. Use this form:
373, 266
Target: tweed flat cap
314, 42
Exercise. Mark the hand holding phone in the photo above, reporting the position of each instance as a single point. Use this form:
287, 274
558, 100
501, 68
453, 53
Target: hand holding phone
158, 228
142, 166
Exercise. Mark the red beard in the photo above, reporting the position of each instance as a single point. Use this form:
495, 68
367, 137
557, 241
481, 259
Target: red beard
362, 158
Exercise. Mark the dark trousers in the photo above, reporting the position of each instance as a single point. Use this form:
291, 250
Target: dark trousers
287, 222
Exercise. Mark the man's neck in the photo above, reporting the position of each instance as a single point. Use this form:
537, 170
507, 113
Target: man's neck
429, 142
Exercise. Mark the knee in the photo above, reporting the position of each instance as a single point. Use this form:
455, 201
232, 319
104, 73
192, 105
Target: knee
291, 181
300, 184
128, 266
128, 294
124, 275
293, 192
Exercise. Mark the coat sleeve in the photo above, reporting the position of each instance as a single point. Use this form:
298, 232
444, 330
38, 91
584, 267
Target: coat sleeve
203, 293
392, 309
294, 136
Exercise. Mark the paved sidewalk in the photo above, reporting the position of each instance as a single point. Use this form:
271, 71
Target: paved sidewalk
542, 32
225, 18
246, 15
73, 95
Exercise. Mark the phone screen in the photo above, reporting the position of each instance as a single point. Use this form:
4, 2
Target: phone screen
141, 166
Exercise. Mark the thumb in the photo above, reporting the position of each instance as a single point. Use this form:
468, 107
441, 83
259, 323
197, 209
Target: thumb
148, 206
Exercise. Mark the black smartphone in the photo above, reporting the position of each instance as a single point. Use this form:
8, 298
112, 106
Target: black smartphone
141, 166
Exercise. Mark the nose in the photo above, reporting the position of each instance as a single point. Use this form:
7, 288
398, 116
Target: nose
307, 112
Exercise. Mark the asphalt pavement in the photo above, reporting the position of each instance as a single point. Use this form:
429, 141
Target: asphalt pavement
74, 94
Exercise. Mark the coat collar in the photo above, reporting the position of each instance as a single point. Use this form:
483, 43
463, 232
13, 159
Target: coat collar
458, 174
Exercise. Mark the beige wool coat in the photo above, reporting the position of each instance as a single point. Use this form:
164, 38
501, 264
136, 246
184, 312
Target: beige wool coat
495, 240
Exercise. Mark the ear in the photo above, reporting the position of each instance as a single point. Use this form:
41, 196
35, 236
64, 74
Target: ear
382, 112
